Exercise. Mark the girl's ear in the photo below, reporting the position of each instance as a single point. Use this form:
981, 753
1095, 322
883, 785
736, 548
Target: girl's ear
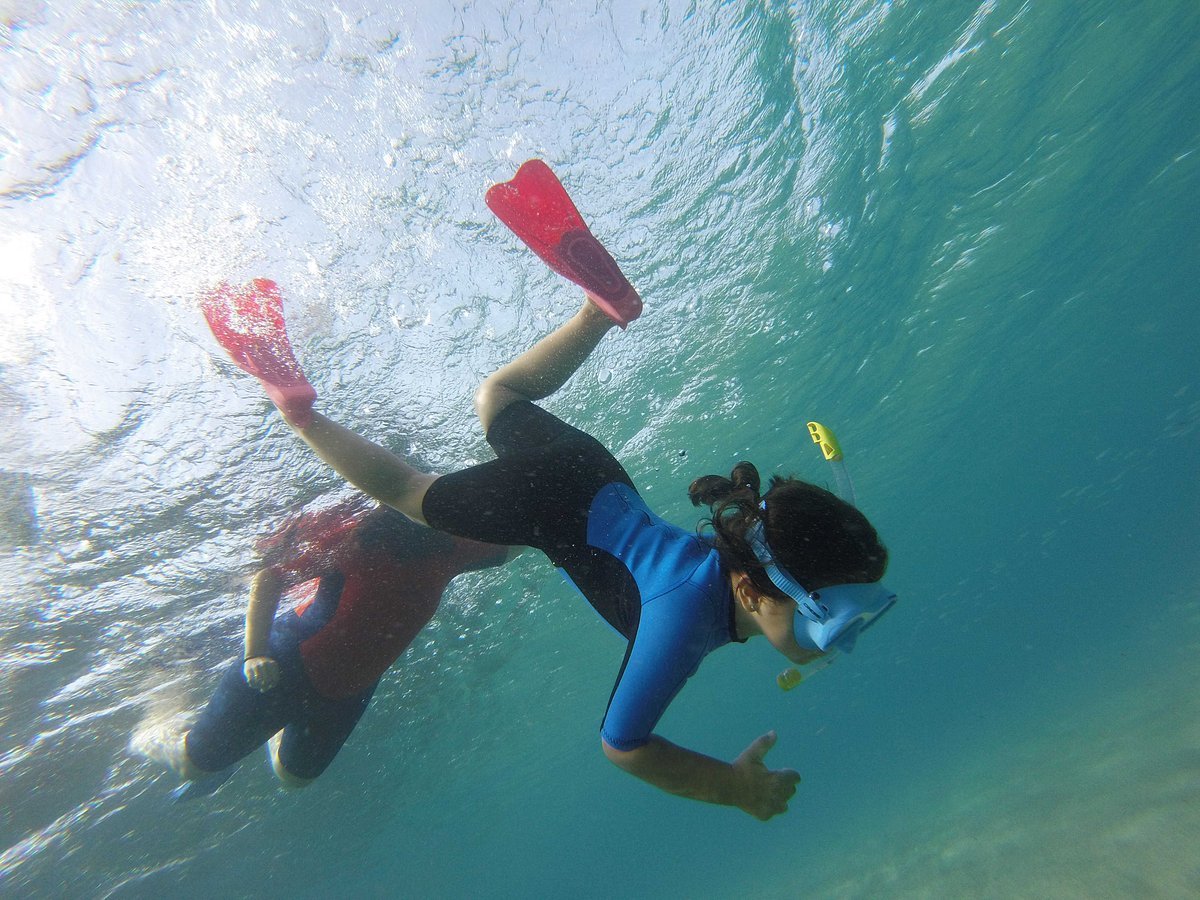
745, 593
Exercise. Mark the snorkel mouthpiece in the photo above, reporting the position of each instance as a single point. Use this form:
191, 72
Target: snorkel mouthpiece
788, 679
792, 678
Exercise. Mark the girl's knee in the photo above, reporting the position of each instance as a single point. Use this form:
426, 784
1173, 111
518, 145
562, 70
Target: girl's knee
490, 398
286, 779
289, 781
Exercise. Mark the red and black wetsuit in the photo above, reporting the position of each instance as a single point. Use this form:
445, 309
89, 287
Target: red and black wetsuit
371, 598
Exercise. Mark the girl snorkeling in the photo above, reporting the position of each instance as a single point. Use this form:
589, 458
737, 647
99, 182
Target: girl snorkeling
795, 564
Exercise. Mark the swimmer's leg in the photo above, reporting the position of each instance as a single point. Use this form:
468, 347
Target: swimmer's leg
247, 321
543, 368
536, 373
305, 748
235, 721
286, 779
372, 469
238, 719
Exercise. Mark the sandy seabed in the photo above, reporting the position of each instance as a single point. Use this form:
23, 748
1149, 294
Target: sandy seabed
1102, 801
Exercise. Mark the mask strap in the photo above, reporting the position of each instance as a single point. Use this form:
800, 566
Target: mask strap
809, 608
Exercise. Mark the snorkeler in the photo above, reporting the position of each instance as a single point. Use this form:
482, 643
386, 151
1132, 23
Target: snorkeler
796, 563
307, 675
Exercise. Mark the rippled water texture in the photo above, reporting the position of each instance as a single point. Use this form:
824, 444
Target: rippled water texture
964, 234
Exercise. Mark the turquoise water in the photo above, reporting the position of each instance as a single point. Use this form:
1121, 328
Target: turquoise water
964, 234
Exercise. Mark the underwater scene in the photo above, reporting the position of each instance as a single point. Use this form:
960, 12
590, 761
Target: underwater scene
962, 234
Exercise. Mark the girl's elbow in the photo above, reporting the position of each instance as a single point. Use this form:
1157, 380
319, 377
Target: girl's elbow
622, 759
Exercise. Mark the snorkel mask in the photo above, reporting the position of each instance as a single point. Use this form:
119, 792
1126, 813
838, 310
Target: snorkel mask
831, 619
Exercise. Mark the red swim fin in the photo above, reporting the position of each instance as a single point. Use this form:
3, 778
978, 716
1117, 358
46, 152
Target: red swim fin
537, 208
248, 322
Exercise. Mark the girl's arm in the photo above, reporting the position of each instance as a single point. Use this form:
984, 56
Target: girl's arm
260, 670
745, 783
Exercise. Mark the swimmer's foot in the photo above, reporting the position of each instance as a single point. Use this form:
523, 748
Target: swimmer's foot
163, 743
537, 208
248, 322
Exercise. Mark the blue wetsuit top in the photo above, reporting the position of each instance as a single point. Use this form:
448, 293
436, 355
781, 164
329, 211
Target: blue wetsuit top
558, 489
686, 609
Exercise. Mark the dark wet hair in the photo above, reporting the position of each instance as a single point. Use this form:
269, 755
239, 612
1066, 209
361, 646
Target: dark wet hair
816, 536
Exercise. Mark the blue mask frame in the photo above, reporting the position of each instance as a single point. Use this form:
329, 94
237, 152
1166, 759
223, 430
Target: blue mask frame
834, 615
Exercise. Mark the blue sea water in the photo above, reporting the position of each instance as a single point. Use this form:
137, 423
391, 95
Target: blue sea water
964, 234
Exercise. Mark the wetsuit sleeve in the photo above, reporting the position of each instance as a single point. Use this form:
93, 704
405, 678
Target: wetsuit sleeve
664, 653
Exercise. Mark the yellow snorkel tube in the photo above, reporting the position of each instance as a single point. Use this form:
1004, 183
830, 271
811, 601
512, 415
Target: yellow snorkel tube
832, 451
827, 441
